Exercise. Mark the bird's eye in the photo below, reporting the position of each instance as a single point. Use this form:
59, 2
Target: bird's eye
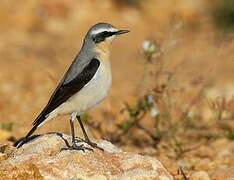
105, 33
101, 36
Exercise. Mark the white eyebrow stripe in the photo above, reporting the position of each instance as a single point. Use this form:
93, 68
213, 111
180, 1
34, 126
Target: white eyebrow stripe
103, 29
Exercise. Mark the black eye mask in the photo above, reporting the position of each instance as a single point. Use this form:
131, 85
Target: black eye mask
102, 36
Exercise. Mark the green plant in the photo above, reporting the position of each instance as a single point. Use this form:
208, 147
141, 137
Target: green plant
218, 105
134, 3
177, 146
135, 113
223, 15
7, 126
85, 117
229, 134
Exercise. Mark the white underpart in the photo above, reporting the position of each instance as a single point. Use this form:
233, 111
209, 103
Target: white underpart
97, 31
89, 96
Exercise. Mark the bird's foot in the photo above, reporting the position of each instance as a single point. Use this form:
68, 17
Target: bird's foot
92, 144
78, 140
76, 147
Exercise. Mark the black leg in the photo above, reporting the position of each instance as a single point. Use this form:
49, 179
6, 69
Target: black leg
83, 129
87, 140
74, 146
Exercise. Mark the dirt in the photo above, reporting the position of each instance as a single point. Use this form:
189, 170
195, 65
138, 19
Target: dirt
39, 39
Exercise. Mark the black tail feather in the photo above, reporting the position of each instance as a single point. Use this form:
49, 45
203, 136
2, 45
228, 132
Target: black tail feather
27, 138
24, 140
31, 131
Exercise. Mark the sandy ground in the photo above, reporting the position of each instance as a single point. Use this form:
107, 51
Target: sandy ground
39, 39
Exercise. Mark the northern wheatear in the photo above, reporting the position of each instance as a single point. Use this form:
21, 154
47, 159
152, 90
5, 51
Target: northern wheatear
85, 84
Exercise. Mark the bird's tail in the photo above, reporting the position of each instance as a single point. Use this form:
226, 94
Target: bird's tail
27, 138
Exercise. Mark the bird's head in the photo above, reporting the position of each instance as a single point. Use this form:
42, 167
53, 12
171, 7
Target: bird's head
103, 33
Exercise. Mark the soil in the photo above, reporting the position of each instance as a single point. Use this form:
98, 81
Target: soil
39, 39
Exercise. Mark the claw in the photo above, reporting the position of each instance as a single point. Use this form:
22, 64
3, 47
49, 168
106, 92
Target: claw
92, 144
77, 148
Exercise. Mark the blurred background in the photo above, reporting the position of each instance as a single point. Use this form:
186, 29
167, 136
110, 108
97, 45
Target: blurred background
173, 76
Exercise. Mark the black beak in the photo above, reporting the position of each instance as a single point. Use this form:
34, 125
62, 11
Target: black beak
122, 32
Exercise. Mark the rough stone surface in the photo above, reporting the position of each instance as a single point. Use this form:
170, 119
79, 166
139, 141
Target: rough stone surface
42, 159
223, 172
200, 175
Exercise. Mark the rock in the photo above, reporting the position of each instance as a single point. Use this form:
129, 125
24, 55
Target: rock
223, 172
200, 175
3, 156
42, 158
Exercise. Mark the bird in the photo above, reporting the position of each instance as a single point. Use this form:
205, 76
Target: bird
85, 84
